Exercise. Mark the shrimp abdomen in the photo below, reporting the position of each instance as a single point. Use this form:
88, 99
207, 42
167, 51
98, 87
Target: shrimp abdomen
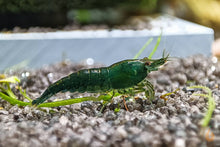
87, 80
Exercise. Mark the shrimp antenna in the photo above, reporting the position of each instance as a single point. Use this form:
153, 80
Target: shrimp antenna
166, 55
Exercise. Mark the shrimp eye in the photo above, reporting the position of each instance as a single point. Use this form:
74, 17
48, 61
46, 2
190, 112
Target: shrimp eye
147, 63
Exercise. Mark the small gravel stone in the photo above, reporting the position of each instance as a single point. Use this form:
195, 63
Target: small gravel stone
120, 132
96, 144
180, 142
4, 112
181, 78
172, 110
34, 143
86, 136
194, 142
26, 110
110, 116
172, 127
15, 109
180, 133
164, 80
126, 143
142, 139
193, 127
167, 138
30, 116
63, 120
101, 136
133, 130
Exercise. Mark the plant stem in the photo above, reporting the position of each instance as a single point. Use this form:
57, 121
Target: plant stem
13, 101
143, 48
24, 94
71, 101
155, 47
211, 104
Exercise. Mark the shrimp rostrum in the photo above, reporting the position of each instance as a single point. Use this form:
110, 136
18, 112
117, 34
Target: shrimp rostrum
117, 77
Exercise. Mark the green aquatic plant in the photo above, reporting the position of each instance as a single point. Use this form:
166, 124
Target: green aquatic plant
7, 94
155, 47
211, 103
143, 48
146, 45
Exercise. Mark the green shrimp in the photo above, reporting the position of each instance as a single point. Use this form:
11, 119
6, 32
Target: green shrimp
119, 76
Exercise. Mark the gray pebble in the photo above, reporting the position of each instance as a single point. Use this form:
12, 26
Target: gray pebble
4, 112
167, 138
109, 116
172, 110
15, 109
180, 142
180, 133
172, 127
164, 80
193, 127
96, 143
101, 136
193, 141
142, 139
34, 142
181, 78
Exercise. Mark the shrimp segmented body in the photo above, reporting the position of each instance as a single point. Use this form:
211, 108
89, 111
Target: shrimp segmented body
121, 75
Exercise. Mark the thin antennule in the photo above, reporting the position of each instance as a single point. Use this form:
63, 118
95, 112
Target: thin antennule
163, 53
166, 55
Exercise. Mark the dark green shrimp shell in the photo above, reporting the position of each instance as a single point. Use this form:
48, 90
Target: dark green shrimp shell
121, 75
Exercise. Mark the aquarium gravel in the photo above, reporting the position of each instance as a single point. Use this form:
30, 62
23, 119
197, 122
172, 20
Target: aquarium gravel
176, 122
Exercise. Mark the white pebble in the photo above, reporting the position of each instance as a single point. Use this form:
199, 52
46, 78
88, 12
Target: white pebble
180, 142
63, 120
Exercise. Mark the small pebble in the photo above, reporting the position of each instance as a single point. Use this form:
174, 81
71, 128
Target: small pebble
180, 133
180, 142
63, 120
120, 132
4, 112
110, 116
164, 80
181, 78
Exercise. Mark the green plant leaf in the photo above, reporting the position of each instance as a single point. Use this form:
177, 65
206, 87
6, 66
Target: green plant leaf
211, 103
13, 79
13, 101
143, 48
116, 110
75, 100
23, 92
155, 47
